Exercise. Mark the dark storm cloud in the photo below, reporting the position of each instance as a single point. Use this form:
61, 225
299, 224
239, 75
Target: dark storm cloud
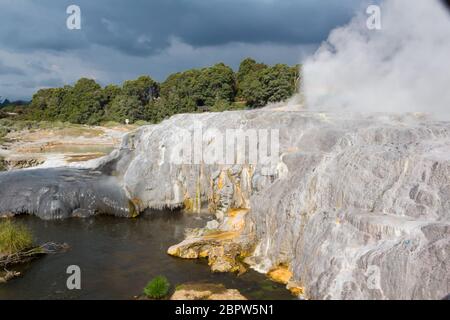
122, 39
143, 27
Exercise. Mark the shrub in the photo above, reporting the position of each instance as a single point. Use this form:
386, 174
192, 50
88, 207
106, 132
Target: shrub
157, 288
2, 163
14, 237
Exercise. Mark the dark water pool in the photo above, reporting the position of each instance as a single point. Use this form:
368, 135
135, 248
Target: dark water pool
117, 258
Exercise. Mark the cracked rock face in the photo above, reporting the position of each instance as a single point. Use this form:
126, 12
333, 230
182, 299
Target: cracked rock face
354, 219
358, 206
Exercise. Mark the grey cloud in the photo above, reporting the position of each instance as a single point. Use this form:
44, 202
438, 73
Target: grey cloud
122, 25
39, 67
122, 39
51, 82
8, 70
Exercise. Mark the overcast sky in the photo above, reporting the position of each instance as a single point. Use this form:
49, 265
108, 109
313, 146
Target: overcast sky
122, 39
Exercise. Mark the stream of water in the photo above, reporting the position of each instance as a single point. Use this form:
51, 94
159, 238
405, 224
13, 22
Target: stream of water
118, 256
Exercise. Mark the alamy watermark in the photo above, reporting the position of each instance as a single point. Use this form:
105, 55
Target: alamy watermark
373, 22
73, 21
74, 280
227, 147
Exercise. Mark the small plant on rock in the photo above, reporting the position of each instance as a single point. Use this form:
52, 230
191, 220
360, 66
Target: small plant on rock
157, 288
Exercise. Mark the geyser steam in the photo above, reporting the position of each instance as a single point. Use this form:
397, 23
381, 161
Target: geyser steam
404, 67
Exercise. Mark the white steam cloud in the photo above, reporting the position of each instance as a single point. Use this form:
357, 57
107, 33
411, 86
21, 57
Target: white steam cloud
404, 67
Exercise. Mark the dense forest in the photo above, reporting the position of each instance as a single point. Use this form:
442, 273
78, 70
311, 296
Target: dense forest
215, 88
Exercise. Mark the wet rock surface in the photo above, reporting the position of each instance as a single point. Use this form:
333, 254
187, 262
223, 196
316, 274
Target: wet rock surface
220, 245
61, 193
11, 164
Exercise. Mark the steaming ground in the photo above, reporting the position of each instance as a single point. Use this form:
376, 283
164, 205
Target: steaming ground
404, 67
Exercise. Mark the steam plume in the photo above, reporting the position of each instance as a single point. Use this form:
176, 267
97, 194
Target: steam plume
404, 67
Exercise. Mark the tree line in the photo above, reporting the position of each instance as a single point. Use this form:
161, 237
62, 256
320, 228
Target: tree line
215, 88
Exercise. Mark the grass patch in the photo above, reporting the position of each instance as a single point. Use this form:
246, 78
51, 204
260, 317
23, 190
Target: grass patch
179, 287
140, 123
75, 131
14, 237
58, 127
110, 124
157, 288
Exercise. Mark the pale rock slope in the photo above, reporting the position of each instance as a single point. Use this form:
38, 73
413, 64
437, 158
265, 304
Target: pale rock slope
357, 206
352, 207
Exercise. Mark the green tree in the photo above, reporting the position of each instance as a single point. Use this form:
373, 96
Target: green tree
144, 88
125, 107
180, 93
271, 84
82, 103
164, 108
279, 82
214, 88
181, 85
109, 93
46, 104
247, 67
201, 87
214, 84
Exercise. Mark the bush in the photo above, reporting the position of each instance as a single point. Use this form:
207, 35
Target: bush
2, 163
14, 237
157, 288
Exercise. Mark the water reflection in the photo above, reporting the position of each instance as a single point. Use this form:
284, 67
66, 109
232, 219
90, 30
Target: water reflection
118, 256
